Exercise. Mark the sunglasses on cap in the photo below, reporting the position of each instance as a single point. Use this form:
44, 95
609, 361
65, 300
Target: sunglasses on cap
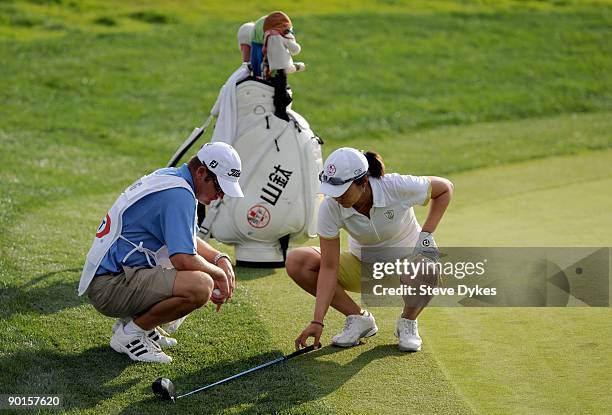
337, 181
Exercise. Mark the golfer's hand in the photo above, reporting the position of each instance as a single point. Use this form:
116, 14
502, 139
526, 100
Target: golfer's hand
221, 283
312, 330
426, 246
217, 300
226, 265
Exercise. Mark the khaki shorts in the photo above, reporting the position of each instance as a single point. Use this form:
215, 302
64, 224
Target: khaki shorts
131, 292
349, 272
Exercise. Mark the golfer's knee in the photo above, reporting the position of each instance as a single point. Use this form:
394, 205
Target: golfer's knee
203, 290
196, 287
294, 263
298, 261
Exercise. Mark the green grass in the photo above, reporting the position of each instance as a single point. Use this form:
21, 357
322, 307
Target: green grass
511, 99
33, 19
432, 70
552, 202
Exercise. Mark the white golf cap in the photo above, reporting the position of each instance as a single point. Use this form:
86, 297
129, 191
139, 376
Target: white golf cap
223, 160
340, 169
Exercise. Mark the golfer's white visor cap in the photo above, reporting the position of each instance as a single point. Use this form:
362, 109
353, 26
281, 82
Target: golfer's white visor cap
332, 190
343, 165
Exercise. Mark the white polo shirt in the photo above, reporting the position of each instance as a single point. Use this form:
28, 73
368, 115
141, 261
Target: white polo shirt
392, 222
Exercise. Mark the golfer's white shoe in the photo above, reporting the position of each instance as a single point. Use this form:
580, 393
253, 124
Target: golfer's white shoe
157, 334
138, 347
408, 333
356, 327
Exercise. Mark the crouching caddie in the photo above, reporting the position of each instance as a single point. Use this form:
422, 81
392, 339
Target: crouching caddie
146, 265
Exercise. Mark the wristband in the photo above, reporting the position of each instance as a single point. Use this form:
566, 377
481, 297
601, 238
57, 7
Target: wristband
219, 256
317, 322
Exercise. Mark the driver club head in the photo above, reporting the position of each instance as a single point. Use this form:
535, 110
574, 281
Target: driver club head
164, 389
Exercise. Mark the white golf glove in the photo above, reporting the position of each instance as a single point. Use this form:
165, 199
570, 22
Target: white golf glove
299, 66
427, 247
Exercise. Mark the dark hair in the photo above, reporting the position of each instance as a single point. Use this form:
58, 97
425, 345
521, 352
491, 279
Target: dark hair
376, 167
194, 163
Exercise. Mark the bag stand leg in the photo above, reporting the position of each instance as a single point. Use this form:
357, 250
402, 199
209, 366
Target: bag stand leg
284, 245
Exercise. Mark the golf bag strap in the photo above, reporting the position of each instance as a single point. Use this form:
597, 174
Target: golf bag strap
211, 214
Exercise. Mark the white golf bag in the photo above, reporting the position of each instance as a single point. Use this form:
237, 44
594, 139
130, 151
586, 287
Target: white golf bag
281, 162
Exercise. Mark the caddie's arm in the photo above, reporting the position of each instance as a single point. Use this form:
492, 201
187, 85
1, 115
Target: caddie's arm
221, 260
441, 194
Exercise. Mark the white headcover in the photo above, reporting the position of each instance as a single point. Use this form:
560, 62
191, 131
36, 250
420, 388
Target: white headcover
245, 33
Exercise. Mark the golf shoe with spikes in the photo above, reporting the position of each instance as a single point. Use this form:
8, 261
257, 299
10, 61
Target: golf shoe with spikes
356, 327
408, 333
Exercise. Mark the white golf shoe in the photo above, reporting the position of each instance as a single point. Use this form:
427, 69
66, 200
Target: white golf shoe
408, 333
158, 335
138, 347
356, 327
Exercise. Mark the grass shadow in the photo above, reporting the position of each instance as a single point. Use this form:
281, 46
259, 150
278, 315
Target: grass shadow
83, 380
249, 274
44, 294
283, 388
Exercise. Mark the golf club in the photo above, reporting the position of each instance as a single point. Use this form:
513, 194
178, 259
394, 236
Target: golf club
195, 134
164, 389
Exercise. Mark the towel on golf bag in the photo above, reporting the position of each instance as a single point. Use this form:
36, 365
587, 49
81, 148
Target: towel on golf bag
225, 108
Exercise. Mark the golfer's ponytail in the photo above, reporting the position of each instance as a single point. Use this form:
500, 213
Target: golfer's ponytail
376, 167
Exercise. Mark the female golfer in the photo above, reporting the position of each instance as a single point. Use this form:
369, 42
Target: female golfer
376, 210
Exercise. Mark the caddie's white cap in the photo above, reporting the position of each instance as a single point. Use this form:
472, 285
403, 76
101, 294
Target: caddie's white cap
223, 160
341, 168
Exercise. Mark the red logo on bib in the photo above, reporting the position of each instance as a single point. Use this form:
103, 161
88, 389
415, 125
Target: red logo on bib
104, 227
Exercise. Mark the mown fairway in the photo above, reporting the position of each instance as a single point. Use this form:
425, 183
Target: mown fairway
512, 100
